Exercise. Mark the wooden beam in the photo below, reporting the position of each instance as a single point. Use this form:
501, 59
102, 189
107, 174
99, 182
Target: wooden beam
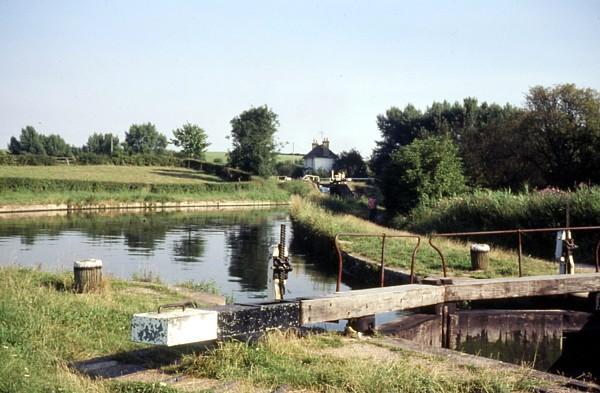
359, 303
506, 288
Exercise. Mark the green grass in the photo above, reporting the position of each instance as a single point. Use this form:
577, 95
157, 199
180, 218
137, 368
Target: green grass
44, 326
211, 156
310, 363
497, 210
106, 184
110, 173
325, 224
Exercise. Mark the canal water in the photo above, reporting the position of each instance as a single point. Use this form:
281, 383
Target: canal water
230, 248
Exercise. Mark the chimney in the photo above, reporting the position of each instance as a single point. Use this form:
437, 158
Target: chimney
314, 144
326, 143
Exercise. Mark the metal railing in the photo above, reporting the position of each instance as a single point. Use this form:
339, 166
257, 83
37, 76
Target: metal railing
519, 238
383, 237
519, 233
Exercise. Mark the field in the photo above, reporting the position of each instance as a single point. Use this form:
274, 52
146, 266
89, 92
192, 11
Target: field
211, 156
109, 173
107, 184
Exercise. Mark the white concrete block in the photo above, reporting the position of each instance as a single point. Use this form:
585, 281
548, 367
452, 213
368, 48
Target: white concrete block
174, 327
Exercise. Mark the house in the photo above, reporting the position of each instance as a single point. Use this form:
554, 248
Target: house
320, 158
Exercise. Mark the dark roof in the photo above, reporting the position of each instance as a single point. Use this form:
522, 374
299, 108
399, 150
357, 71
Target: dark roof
321, 152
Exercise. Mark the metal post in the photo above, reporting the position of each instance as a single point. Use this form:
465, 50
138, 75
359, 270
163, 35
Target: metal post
339, 252
382, 259
520, 252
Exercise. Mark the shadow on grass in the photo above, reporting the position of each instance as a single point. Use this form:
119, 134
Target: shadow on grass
182, 174
137, 361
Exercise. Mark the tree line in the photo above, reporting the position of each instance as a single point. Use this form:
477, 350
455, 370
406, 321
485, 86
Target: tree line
554, 140
139, 139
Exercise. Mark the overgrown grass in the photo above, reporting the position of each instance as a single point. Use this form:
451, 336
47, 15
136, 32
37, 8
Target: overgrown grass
44, 326
495, 210
306, 363
320, 223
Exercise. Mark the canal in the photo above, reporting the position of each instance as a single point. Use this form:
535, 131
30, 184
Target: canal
229, 248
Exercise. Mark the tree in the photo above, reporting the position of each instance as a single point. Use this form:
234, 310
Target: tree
426, 169
103, 144
144, 139
398, 128
31, 142
14, 146
352, 163
192, 140
562, 126
55, 145
252, 138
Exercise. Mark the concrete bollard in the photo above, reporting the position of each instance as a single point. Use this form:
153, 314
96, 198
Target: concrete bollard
88, 275
479, 256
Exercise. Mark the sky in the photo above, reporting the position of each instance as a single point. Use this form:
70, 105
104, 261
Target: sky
327, 68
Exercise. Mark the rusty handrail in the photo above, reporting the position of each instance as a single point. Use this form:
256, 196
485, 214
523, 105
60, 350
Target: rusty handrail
383, 236
519, 232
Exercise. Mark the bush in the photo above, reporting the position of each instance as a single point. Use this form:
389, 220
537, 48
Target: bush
427, 169
487, 210
298, 187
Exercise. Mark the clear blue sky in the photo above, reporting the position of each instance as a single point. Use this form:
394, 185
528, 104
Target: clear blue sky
77, 67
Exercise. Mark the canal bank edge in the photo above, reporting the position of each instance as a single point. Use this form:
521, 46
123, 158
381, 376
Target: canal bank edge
65, 207
357, 267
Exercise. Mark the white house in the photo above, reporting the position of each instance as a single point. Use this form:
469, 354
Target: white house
320, 158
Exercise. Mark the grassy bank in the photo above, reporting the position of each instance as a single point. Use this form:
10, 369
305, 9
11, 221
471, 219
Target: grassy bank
44, 327
322, 225
111, 184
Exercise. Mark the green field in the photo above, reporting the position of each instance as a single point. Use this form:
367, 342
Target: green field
221, 155
125, 174
107, 184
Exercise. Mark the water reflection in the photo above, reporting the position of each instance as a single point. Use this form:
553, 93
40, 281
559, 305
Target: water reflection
230, 248
189, 248
249, 260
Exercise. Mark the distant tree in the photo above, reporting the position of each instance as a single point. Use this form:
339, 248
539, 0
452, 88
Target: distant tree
31, 142
289, 168
427, 169
352, 163
192, 140
144, 139
55, 145
495, 152
398, 127
562, 127
14, 146
252, 135
103, 144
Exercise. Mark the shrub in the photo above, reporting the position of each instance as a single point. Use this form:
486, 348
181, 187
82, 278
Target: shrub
487, 210
427, 169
